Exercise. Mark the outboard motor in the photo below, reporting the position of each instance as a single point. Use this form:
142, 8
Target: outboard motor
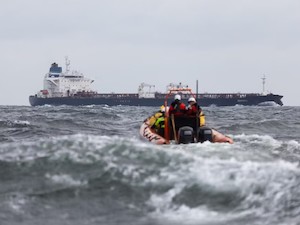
204, 134
185, 135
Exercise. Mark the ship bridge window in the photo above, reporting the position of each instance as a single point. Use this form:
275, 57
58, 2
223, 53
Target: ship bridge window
53, 75
55, 69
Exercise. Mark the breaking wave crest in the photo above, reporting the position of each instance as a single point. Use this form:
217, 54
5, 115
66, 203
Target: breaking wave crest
202, 183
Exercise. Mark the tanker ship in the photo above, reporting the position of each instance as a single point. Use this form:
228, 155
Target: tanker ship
73, 88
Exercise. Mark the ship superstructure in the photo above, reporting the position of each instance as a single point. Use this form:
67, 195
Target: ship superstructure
64, 84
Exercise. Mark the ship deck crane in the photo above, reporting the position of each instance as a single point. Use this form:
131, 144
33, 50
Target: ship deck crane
146, 94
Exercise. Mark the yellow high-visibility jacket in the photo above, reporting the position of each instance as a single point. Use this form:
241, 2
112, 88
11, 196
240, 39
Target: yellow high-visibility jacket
153, 118
202, 119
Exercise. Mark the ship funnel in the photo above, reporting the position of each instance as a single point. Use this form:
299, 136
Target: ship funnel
55, 68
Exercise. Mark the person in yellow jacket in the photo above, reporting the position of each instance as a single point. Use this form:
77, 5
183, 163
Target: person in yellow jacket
157, 121
193, 109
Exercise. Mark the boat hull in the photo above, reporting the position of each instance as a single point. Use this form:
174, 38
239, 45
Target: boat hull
112, 101
149, 134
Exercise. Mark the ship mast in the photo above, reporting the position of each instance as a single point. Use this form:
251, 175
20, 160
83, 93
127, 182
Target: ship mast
67, 64
263, 83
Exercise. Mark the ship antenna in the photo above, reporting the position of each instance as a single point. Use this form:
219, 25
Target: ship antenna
264, 82
198, 112
67, 64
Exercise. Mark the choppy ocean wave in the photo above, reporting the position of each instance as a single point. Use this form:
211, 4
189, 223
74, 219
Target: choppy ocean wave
88, 165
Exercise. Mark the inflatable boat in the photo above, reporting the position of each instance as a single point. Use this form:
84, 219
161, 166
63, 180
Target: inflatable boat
182, 129
185, 133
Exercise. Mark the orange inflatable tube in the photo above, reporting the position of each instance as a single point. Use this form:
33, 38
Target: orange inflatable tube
221, 138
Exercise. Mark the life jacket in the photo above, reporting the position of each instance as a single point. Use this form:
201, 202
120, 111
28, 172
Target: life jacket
193, 110
202, 119
159, 126
177, 108
153, 118
160, 123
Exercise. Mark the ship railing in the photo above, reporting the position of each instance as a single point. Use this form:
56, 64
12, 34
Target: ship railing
185, 95
116, 95
146, 95
227, 95
172, 86
180, 90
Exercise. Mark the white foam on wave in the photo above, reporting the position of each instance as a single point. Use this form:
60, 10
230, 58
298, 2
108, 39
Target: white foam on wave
89, 106
80, 148
107, 107
184, 214
262, 140
17, 122
45, 106
262, 185
21, 153
17, 202
22, 122
65, 179
293, 146
89, 149
268, 143
269, 103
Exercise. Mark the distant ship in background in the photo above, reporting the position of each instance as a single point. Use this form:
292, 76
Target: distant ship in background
73, 88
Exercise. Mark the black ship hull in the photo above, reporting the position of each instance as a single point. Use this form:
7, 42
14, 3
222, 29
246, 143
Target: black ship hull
129, 101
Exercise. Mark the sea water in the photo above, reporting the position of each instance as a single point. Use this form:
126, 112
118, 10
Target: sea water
88, 165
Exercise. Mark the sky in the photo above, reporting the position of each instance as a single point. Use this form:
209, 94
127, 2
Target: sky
227, 45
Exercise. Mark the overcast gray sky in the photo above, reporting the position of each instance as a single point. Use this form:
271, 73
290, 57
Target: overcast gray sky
227, 45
